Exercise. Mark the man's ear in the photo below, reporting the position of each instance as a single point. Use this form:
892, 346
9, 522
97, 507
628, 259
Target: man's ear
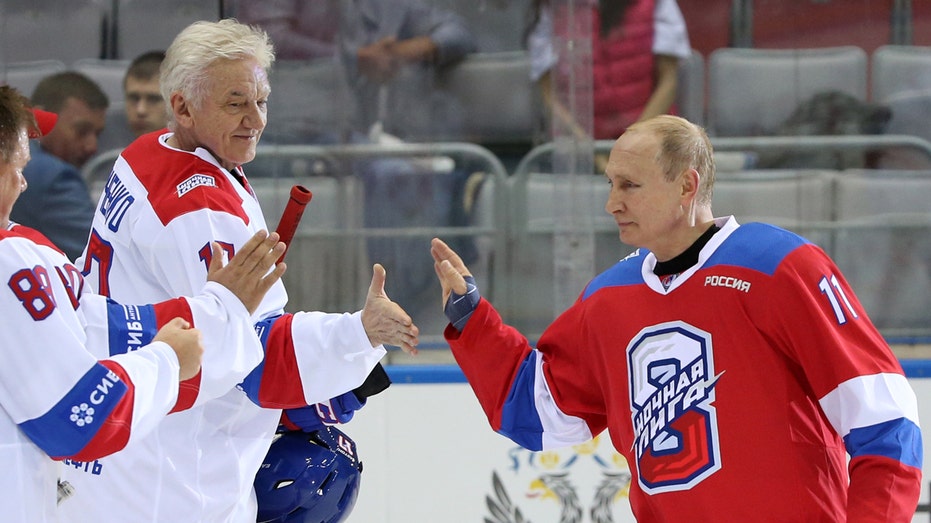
691, 181
181, 109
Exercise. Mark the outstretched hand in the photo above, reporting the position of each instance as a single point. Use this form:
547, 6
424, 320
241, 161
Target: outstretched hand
449, 267
247, 273
385, 322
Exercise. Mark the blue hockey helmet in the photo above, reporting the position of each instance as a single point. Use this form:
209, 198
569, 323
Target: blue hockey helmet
308, 477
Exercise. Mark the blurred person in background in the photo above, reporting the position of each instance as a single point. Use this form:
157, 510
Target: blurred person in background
145, 108
390, 52
57, 202
636, 48
381, 44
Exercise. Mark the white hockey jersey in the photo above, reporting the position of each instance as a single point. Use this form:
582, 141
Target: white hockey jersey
56, 398
150, 240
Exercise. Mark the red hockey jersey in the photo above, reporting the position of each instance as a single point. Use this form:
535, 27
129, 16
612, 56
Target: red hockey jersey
736, 392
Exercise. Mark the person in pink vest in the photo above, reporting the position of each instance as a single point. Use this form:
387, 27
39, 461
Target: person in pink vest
636, 48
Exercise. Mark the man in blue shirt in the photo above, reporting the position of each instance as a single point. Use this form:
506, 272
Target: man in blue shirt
57, 202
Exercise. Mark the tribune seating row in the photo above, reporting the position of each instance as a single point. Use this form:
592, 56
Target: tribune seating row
122, 29
734, 92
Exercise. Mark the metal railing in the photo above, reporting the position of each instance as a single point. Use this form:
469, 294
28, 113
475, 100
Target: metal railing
505, 231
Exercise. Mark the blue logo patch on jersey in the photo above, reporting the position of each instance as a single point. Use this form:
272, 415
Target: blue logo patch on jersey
195, 181
72, 422
672, 385
131, 327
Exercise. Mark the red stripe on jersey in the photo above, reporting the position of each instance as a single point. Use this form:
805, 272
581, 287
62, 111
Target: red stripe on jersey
497, 372
281, 386
114, 431
30, 234
162, 171
164, 312
883, 489
187, 393
167, 310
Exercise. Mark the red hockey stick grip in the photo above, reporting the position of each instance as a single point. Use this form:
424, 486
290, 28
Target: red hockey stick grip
291, 216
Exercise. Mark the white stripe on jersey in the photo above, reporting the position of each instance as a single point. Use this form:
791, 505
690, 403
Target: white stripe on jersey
891, 397
559, 429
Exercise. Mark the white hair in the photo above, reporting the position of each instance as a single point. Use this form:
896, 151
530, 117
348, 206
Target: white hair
196, 47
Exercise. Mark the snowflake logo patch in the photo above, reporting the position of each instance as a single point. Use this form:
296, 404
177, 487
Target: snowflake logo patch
82, 414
